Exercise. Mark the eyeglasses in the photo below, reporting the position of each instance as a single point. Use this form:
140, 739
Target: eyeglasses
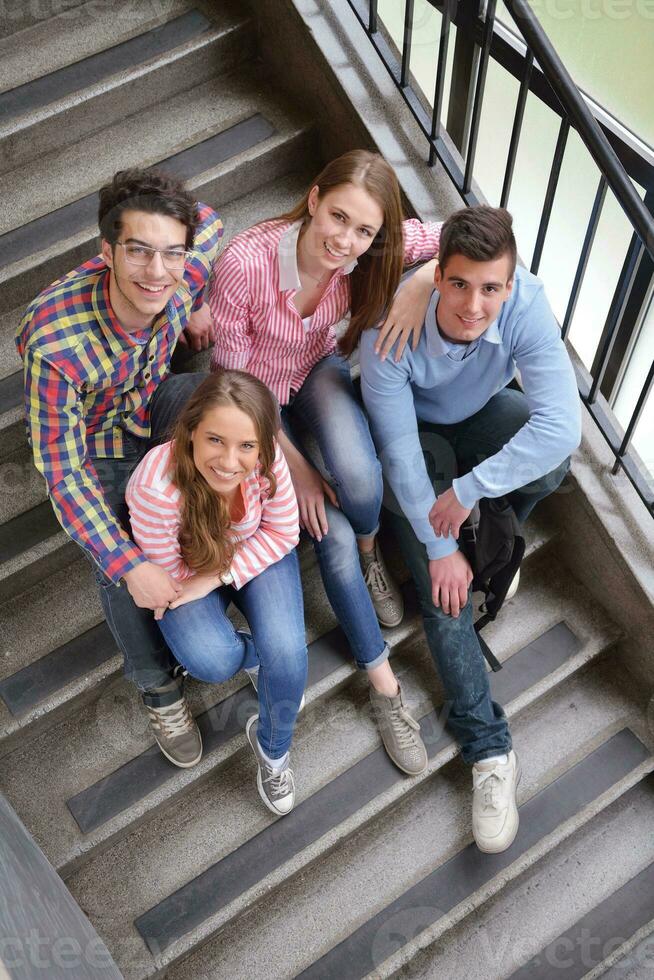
172, 258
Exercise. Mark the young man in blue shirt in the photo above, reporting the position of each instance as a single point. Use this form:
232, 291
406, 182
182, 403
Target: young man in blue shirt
450, 398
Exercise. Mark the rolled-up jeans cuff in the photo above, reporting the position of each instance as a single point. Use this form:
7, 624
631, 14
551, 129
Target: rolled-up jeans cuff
377, 662
370, 534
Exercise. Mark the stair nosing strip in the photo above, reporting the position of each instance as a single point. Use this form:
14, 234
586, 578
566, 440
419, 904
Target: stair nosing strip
31, 685
336, 802
62, 82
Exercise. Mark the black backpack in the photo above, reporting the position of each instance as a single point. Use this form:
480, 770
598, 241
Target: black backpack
494, 544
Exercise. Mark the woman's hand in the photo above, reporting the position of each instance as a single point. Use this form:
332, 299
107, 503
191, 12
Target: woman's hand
195, 587
310, 490
406, 316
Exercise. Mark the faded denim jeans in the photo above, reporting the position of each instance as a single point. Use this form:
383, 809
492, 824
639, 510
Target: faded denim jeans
204, 640
477, 723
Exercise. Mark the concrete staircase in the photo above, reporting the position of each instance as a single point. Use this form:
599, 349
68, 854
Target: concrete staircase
184, 873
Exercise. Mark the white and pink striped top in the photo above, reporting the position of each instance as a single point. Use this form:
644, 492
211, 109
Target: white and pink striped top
268, 531
251, 295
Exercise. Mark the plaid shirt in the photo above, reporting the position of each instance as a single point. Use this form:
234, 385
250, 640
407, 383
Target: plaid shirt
87, 382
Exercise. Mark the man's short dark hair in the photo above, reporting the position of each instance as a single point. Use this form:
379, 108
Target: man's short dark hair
480, 233
153, 191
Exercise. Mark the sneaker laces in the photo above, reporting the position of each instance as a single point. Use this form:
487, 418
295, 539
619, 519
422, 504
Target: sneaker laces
172, 720
281, 783
404, 726
490, 783
376, 581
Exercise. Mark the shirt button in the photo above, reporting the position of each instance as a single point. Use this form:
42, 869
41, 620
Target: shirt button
151, 358
147, 375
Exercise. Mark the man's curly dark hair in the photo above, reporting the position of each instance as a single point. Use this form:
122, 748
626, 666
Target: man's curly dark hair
151, 190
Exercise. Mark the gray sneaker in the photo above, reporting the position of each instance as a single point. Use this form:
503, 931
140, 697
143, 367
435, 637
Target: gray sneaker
384, 592
176, 733
400, 732
276, 787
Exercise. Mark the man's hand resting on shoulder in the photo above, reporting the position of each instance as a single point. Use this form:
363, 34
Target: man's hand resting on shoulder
450, 579
447, 515
150, 586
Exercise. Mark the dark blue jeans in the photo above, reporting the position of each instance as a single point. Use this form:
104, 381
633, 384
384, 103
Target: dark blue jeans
326, 407
475, 720
202, 638
148, 662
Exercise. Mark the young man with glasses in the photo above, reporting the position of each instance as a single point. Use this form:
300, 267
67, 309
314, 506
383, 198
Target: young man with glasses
97, 346
452, 399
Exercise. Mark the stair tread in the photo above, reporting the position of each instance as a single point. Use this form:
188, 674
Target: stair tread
25, 102
588, 869
83, 753
367, 864
168, 128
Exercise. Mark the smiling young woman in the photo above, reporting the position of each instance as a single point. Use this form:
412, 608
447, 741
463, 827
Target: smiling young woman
215, 508
278, 292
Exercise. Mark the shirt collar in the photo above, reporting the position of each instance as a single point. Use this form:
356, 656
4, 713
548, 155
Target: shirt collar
289, 277
437, 346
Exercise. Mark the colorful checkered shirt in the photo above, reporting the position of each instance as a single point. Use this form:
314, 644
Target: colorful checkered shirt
87, 381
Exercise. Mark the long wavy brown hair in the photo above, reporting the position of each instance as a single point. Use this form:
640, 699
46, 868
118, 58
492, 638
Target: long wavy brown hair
376, 277
206, 544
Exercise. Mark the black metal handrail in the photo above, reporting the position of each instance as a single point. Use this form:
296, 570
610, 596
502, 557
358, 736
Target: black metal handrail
533, 60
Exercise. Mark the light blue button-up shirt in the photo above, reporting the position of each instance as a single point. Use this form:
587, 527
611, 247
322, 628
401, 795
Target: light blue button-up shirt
445, 383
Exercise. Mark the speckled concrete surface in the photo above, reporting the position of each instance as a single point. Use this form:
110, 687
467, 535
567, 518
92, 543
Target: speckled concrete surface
402, 846
79, 33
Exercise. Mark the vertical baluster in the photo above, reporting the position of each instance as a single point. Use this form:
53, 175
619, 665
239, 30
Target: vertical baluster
479, 95
517, 128
372, 16
441, 68
595, 215
635, 417
620, 299
552, 184
406, 42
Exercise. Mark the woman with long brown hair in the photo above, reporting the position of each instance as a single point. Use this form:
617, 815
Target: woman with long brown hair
278, 292
216, 508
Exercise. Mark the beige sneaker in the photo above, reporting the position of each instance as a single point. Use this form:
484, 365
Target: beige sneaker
400, 732
176, 733
384, 592
495, 818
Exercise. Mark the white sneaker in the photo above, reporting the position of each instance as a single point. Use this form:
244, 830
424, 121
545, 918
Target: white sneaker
384, 592
495, 817
253, 674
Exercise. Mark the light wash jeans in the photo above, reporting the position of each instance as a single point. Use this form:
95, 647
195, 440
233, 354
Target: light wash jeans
327, 408
475, 720
203, 639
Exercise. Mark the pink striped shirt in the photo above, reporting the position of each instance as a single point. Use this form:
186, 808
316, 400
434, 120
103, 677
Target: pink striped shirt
251, 295
268, 531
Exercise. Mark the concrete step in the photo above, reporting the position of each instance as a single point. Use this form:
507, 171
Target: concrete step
17, 15
368, 869
93, 26
565, 915
58, 109
109, 776
32, 546
223, 137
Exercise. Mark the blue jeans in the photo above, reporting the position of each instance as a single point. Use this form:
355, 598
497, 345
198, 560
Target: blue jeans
326, 407
148, 662
203, 639
475, 720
